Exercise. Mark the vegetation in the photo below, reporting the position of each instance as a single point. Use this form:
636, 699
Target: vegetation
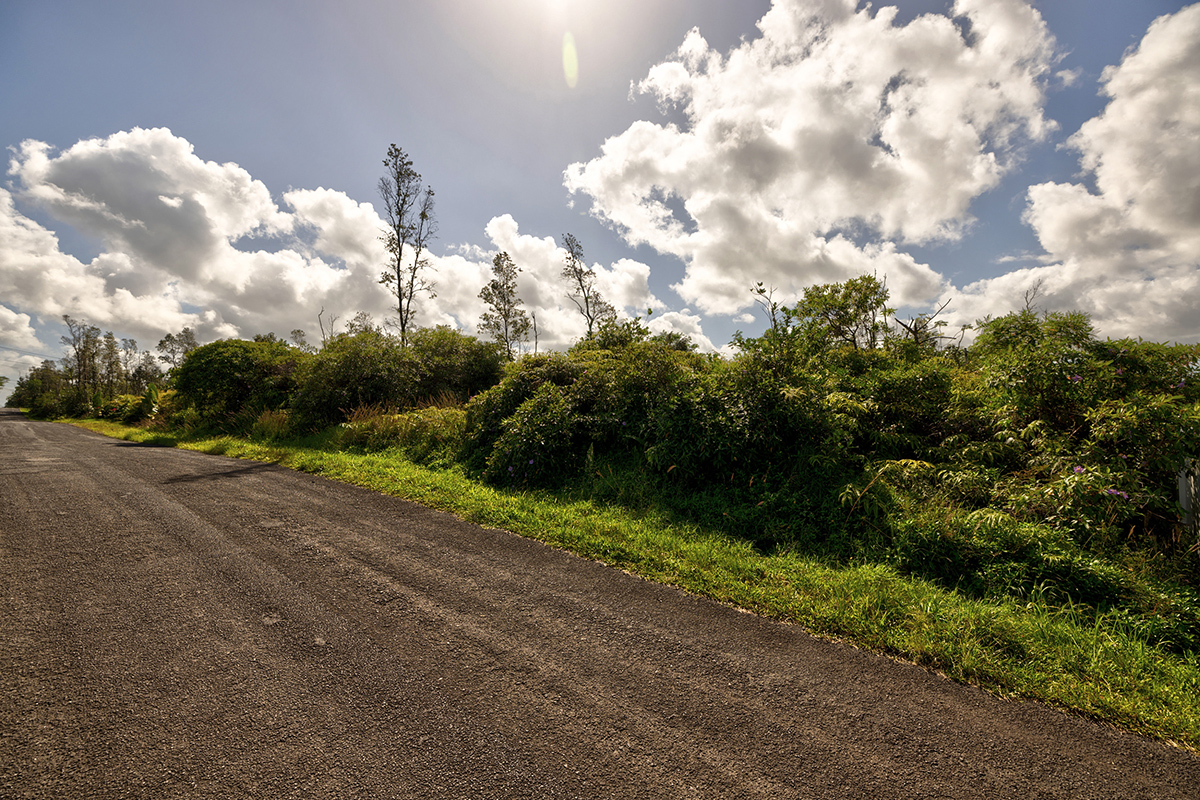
581, 280
96, 370
1005, 512
411, 224
505, 321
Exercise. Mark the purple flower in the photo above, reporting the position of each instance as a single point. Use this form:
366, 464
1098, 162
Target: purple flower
1118, 493
531, 461
1076, 378
1078, 470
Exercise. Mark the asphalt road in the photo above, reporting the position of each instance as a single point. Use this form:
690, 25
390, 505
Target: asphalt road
182, 625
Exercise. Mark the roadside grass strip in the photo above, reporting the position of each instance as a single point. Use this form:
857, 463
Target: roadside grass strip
1091, 665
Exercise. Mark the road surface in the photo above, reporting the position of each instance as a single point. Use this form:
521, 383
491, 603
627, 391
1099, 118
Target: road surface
178, 625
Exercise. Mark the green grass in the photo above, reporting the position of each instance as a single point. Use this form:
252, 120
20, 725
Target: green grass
1065, 656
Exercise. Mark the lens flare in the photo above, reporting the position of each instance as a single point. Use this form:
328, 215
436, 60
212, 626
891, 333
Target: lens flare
570, 60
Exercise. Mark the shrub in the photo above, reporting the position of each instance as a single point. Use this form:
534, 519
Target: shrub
540, 445
363, 369
451, 363
369, 369
488, 412
233, 377
48, 405
125, 408
271, 425
431, 435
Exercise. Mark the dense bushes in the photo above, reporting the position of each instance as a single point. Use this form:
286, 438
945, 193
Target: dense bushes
488, 414
370, 368
431, 435
356, 370
537, 427
44, 391
230, 382
451, 364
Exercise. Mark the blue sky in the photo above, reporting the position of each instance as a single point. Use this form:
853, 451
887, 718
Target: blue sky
211, 164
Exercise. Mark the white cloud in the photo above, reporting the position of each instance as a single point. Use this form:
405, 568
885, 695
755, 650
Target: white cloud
186, 242
1127, 251
36, 277
16, 332
835, 128
684, 322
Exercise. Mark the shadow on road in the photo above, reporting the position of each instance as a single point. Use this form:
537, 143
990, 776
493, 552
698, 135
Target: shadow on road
223, 475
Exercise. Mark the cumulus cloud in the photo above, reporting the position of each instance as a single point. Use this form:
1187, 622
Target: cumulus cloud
173, 230
17, 331
809, 154
1125, 247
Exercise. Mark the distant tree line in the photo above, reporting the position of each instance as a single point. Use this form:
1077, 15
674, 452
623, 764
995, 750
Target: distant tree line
96, 369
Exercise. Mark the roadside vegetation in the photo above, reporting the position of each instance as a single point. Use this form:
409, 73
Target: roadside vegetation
1007, 513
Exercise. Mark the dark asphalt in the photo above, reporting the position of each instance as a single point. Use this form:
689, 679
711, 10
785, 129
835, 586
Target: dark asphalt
177, 625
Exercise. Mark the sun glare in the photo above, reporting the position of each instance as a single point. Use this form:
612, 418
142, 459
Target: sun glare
570, 60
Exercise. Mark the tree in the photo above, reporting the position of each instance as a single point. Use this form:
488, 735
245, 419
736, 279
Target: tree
145, 374
333, 318
41, 391
507, 322
853, 314
300, 340
112, 372
81, 365
129, 363
174, 347
922, 333
362, 323
408, 208
582, 282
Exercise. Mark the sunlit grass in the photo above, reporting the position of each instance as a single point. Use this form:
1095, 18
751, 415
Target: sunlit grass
1087, 663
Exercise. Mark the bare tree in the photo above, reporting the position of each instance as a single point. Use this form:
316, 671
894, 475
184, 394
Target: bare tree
408, 208
507, 322
333, 318
582, 282
1033, 293
925, 330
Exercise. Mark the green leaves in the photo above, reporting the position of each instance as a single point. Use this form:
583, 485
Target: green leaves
227, 377
506, 322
